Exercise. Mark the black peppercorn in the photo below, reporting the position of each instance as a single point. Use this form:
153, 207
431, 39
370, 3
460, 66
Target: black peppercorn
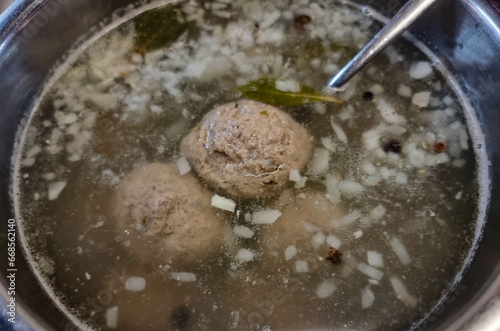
368, 96
180, 317
393, 146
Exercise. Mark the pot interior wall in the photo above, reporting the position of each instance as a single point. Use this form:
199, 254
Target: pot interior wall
465, 35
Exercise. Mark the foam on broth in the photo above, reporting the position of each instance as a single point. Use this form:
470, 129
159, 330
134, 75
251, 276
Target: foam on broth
113, 110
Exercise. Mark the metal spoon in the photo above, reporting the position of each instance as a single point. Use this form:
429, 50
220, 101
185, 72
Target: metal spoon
396, 26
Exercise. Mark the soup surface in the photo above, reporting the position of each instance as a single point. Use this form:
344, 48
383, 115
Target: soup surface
368, 235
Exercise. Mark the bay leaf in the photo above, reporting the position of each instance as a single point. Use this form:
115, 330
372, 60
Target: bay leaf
158, 28
264, 90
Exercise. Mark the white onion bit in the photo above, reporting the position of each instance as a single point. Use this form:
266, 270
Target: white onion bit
367, 298
421, 99
301, 266
290, 252
135, 284
389, 113
223, 203
419, 70
350, 187
245, 255
185, 277
338, 131
332, 189
55, 189
265, 216
317, 240
325, 289
243, 231
351, 217
183, 165
370, 271
375, 259
333, 241
295, 176
377, 212
112, 318
400, 251
320, 161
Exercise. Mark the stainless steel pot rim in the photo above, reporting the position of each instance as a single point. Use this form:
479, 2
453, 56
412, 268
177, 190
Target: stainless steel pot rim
483, 313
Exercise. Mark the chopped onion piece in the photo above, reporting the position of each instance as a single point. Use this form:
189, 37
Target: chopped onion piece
338, 131
419, 70
265, 216
310, 228
376, 89
388, 112
328, 143
55, 189
373, 282
245, 255
378, 212
351, 217
368, 168
243, 231
367, 298
325, 289
320, 161
301, 266
185, 277
358, 234
183, 165
135, 284
401, 178
416, 158
399, 288
333, 241
404, 91
370, 271
301, 183
442, 158
400, 251
290, 252
287, 85
371, 139
112, 318
294, 176
421, 99
318, 240
350, 187
223, 203
375, 259
332, 189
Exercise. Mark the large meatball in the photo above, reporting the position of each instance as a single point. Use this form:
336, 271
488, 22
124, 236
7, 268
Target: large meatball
246, 148
167, 215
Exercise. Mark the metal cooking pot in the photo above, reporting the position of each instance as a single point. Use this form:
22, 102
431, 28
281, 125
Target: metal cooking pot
464, 34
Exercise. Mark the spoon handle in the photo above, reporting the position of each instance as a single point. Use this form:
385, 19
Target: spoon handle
410, 12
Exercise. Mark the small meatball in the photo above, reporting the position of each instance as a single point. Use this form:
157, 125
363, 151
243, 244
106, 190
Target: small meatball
302, 217
246, 149
167, 215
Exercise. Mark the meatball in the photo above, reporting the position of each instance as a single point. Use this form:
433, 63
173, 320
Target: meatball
246, 148
171, 214
303, 215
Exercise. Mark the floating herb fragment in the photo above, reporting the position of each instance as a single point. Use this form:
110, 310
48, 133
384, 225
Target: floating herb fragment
157, 28
264, 90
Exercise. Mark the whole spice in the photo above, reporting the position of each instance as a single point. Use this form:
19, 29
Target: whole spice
334, 256
393, 146
439, 147
300, 21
